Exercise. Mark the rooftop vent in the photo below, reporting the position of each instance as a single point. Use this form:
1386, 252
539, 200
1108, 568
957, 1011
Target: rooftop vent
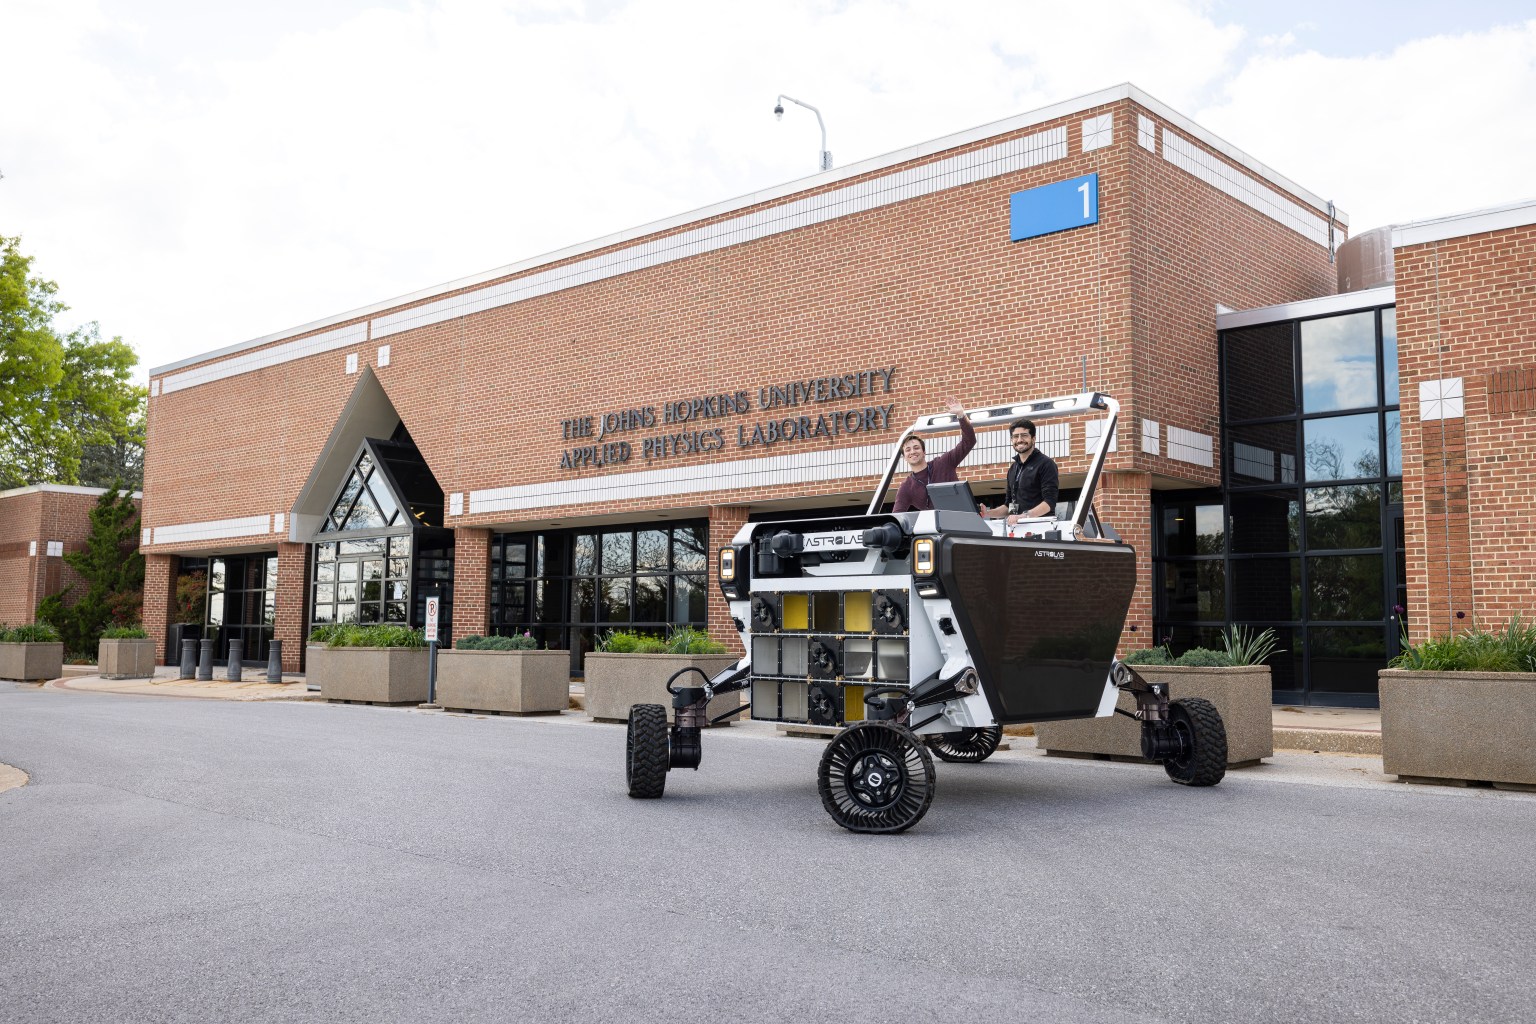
1365, 261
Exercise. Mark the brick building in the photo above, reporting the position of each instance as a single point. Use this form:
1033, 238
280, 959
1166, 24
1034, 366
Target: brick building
558, 445
38, 525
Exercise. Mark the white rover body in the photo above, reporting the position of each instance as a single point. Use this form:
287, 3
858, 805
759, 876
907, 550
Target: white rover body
928, 630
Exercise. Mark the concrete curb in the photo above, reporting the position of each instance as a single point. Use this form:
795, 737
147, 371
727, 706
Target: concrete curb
1329, 741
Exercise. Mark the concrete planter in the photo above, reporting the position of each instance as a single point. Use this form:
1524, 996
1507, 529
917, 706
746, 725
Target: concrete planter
617, 682
31, 663
1242, 695
378, 675
125, 659
1478, 726
518, 682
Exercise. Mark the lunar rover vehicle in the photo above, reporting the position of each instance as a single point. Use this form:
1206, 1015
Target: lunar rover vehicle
924, 633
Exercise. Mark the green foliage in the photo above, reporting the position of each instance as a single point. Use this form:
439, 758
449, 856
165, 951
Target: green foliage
1148, 656
687, 640
618, 641
683, 640
1202, 657
134, 632
525, 642
1511, 649
1244, 647
37, 633
113, 573
352, 635
59, 393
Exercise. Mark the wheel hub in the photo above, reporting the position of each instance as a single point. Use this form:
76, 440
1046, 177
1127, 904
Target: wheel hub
875, 779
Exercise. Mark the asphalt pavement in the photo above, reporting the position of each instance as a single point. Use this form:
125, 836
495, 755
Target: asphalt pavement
197, 860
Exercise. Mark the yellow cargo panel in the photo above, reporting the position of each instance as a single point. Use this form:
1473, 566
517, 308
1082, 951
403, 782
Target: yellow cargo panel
797, 611
856, 616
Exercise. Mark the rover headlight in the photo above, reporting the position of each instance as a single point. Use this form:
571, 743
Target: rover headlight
922, 556
727, 564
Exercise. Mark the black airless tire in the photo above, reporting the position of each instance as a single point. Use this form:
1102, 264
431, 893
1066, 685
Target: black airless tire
967, 746
876, 777
1202, 760
646, 756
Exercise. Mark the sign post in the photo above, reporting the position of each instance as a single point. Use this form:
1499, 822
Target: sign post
433, 602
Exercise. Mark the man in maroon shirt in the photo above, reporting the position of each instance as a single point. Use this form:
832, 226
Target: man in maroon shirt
912, 496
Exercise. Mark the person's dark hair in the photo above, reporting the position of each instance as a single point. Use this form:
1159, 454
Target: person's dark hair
920, 443
1028, 425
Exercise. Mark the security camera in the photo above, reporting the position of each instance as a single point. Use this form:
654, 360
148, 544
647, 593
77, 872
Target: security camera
778, 111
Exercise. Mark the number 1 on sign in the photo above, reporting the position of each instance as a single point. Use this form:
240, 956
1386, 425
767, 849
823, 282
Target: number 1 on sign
1083, 188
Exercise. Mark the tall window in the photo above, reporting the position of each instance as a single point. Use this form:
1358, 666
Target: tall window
568, 587
242, 603
381, 550
1313, 499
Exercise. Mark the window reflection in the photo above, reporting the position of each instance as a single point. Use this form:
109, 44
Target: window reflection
1341, 447
1344, 517
1338, 362
1345, 587
1260, 372
1266, 588
1389, 355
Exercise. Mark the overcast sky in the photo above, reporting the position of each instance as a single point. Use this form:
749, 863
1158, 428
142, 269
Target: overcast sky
196, 174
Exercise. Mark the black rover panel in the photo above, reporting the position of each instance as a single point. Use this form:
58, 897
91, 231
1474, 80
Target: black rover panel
1041, 620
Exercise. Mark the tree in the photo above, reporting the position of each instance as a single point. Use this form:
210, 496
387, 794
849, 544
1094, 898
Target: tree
113, 571
58, 392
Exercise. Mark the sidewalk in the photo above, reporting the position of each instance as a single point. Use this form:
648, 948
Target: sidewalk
166, 683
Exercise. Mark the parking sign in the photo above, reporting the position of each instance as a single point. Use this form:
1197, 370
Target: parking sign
431, 630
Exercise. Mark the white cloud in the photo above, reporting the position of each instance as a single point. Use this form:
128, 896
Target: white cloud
197, 175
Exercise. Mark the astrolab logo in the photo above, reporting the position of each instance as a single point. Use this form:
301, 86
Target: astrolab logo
1058, 555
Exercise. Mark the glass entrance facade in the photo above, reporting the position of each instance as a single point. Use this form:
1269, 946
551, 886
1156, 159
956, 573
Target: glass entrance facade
568, 587
1305, 536
242, 604
383, 549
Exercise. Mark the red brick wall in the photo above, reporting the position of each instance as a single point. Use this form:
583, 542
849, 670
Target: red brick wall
292, 603
39, 516
20, 526
1466, 307
471, 583
931, 285
724, 522
159, 591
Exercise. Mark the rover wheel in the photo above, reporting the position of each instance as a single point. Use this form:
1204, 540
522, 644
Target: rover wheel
646, 755
967, 746
1202, 757
876, 777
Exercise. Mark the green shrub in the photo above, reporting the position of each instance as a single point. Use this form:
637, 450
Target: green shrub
324, 634
687, 640
1511, 649
1202, 657
124, 633
618, 641
36, 633
523, 642
352, 635
651, 645
1148, 656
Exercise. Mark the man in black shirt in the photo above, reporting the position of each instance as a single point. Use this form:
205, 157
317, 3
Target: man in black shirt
1033, 481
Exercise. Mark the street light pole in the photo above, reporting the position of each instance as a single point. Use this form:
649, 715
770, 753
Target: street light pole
778, 111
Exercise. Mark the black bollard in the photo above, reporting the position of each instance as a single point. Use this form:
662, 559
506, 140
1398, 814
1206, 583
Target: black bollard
275, 661
205, 660
188, 658
236, 652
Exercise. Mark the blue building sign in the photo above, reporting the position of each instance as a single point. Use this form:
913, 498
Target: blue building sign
1073, 203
